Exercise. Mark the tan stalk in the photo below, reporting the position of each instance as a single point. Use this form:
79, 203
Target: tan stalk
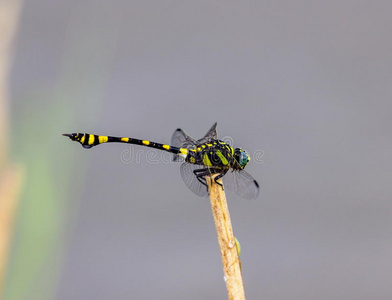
227, 243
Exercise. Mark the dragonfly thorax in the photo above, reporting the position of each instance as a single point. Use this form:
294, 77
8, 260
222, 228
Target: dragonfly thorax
215, 153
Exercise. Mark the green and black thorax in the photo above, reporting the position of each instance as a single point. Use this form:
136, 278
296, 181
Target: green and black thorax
216, 154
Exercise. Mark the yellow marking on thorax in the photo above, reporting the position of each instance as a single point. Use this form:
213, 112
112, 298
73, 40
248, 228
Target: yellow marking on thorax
209, 145
102, 139
222, 157
91, 139
206, 161
199, 149
146, 143
167, 147
125, 139
193, 150
192, 160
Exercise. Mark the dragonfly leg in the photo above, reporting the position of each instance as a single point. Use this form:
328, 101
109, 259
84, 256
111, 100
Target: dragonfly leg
223, 173
200, 173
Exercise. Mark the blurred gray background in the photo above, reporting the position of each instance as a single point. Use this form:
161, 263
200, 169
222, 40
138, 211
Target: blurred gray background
306, 82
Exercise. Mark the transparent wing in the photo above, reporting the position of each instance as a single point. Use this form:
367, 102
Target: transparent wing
191, 181
210, 135
181, 139
241, 183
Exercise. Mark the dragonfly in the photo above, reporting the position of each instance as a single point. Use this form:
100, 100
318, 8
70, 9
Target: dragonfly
200, 158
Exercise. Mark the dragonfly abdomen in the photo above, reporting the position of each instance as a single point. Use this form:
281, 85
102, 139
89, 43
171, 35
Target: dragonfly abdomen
90, 140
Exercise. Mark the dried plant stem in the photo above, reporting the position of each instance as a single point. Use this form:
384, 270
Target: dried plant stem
226, 240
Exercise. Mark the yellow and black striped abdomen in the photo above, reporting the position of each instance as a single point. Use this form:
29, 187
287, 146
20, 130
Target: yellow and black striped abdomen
90, 140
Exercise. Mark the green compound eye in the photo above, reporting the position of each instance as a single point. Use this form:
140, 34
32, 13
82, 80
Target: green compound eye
244, 158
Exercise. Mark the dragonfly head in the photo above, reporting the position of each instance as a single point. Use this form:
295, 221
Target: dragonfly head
242, 157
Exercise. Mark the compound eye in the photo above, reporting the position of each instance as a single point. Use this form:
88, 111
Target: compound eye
244, 158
